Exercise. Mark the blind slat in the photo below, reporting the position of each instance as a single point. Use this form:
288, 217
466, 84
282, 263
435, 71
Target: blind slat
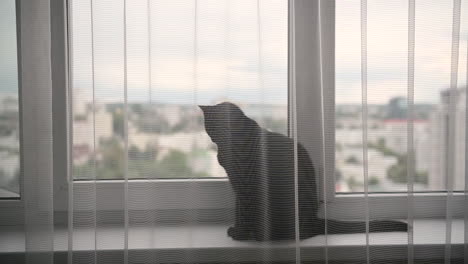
410, 128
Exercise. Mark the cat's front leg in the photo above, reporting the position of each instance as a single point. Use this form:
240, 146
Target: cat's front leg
243, 228
240, 234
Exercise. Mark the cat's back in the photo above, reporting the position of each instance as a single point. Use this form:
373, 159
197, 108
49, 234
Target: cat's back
280, 152
280, 149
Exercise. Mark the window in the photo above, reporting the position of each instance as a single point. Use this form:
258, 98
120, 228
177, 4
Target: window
387, 118
238, 54
9, 103
238, 50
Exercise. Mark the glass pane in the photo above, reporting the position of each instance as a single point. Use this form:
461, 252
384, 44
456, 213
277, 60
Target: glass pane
387, 50
178, 57
9, 110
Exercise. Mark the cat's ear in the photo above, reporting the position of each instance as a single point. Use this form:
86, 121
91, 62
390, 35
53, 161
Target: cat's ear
205, 108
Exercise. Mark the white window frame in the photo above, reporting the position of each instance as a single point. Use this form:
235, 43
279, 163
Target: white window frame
220, 195
32, 53
351, 206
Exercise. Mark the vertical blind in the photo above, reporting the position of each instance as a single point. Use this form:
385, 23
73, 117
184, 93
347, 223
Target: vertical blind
145, 183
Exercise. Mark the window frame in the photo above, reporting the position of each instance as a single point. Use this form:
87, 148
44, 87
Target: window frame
341, 206
61, 100
35, 109
397, 205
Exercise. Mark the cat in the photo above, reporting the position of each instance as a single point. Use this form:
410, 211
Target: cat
260, 168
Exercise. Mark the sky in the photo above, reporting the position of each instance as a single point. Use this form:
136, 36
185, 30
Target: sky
227, 49
387, 50
8, 54
237, 49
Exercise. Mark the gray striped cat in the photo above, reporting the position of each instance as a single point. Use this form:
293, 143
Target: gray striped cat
260, 168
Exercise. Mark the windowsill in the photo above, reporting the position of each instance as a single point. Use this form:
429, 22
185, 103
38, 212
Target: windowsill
4, 193
212, 237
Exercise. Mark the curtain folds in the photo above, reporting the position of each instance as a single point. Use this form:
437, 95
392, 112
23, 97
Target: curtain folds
229, 131
36, 144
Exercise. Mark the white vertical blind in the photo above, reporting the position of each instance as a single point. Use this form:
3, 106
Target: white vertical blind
410, 129
452, 115
365, 157
465, 247
465, 209
36, 125
293, 126
146, 184
324, 131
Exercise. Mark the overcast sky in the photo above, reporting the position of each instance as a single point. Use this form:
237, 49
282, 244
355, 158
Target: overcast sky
8, 61
238, 51
388, 49
219, 57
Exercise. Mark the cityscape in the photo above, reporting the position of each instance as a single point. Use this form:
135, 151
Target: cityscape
387, 141
9, 146
167, 141
164, 140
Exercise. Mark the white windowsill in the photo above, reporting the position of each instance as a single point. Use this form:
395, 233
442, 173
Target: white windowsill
4, 193
212, 237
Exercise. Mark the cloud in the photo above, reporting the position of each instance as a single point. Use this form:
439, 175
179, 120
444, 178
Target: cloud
8, 49
387, 49
230, 60
224, 54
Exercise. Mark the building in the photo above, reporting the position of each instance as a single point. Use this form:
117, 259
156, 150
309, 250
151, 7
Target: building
86, 131
397, 108
396, 139
439, 141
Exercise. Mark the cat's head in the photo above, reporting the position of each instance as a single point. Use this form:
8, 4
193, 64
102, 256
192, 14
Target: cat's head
224, 120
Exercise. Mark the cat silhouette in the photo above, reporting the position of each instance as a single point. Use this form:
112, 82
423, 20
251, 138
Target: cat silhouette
260, 168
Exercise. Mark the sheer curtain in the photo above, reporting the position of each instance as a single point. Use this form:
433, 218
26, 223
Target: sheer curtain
371, 94
36, 135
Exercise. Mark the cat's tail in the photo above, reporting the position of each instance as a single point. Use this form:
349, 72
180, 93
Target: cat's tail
348, 227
